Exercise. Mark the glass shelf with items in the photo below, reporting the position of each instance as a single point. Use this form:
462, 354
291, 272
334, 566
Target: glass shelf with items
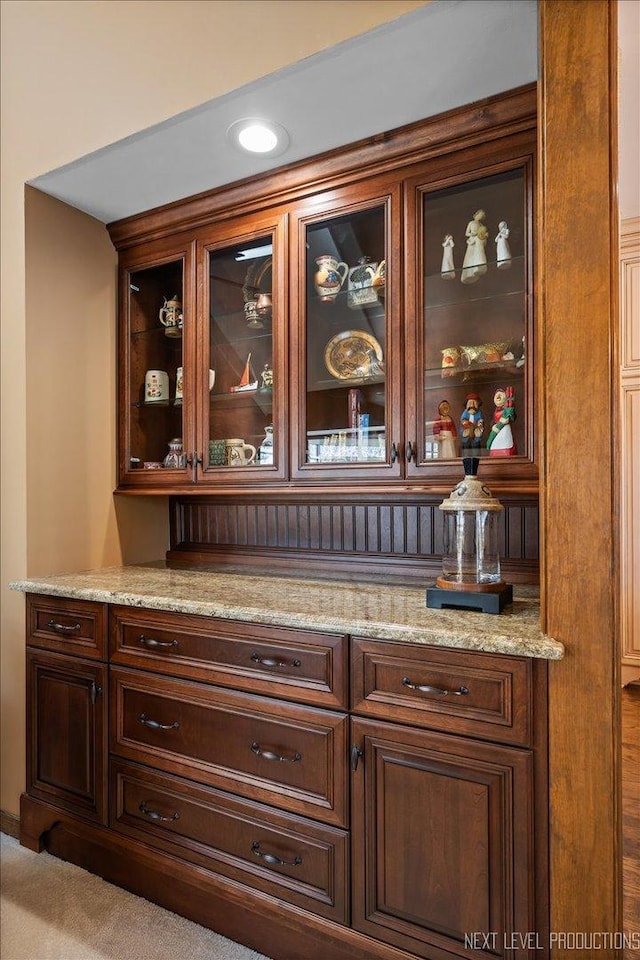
443, 291
363, 444
474, 300
344, 419
153, 422
244, 310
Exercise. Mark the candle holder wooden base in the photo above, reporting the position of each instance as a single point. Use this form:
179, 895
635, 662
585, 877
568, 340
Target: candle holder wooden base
483, 601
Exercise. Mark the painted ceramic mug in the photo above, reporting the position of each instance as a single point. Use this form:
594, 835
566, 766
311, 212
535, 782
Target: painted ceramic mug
156, 386
237, 453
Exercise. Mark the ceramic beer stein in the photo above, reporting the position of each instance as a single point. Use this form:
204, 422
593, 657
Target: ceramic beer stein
237, 453
329, 277
156, 386
170, 317
179, 385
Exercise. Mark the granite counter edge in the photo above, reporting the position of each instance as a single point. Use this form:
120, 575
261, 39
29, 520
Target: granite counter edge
541, 647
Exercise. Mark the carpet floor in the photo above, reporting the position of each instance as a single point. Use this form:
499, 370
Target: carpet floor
53, 910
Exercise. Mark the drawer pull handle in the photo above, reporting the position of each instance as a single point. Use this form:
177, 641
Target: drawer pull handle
440, 691
272, 859
270, 755
150, 642
154, 815
156, 725
274, 662
62, 628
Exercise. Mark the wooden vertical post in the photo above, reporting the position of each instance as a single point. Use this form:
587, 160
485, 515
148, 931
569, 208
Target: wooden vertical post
577, 251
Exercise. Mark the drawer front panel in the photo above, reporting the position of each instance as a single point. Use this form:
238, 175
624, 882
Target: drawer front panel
480, 694
283, 855
294, 665
288, 755
78, 627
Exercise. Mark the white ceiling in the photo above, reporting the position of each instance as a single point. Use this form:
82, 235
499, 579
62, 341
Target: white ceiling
443, 55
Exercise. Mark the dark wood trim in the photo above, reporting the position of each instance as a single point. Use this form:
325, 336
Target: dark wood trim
9, 824
247, 916
491, 118
577, 245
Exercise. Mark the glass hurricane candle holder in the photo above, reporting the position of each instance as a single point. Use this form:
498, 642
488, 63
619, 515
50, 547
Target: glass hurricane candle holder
471, 576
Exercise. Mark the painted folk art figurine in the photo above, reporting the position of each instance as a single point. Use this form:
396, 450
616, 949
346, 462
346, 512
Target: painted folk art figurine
475, 259
472, 422
444, 428
500, 442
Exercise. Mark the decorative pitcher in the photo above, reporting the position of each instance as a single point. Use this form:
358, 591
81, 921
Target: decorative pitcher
329, 277
360, 289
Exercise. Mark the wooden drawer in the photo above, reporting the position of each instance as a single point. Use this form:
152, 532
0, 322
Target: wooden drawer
286, 856
480, 694
294, 665
280, 753
78, 627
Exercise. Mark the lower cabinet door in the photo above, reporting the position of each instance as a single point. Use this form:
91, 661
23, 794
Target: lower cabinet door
442, 830
286, 856
66, 739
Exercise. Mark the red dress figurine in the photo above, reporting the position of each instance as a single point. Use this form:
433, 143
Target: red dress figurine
444, 428
500, 442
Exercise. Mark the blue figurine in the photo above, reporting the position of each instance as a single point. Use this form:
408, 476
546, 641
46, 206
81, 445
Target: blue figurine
472, 423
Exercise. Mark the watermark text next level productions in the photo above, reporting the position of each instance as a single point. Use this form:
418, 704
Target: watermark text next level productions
564, 940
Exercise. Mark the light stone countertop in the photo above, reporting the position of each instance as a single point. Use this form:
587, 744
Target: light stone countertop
375, 610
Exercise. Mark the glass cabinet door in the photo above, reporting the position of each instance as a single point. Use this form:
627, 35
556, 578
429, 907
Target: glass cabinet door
156, 445
242, 386
474, 326
345, 419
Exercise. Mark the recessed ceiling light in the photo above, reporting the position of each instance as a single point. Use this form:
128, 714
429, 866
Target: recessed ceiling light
254, 135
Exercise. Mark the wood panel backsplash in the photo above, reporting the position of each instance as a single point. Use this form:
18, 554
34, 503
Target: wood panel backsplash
377, 539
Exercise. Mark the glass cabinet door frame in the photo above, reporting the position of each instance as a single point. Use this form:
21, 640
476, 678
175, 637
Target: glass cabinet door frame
353, 199
239, 232
156, 254
519, 471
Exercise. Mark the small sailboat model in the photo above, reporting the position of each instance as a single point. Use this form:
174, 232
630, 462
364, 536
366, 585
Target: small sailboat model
248, 380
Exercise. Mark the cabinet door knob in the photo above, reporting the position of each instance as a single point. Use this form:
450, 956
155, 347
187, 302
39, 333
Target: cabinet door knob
95, 691
395, 452
439, 691
412, 452
270, 755
356, 755
271, 858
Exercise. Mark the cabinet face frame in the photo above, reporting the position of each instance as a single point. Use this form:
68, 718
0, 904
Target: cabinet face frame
350, 200
463, 171
148, 256
209, 241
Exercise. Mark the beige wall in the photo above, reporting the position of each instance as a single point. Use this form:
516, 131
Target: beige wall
78, 75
